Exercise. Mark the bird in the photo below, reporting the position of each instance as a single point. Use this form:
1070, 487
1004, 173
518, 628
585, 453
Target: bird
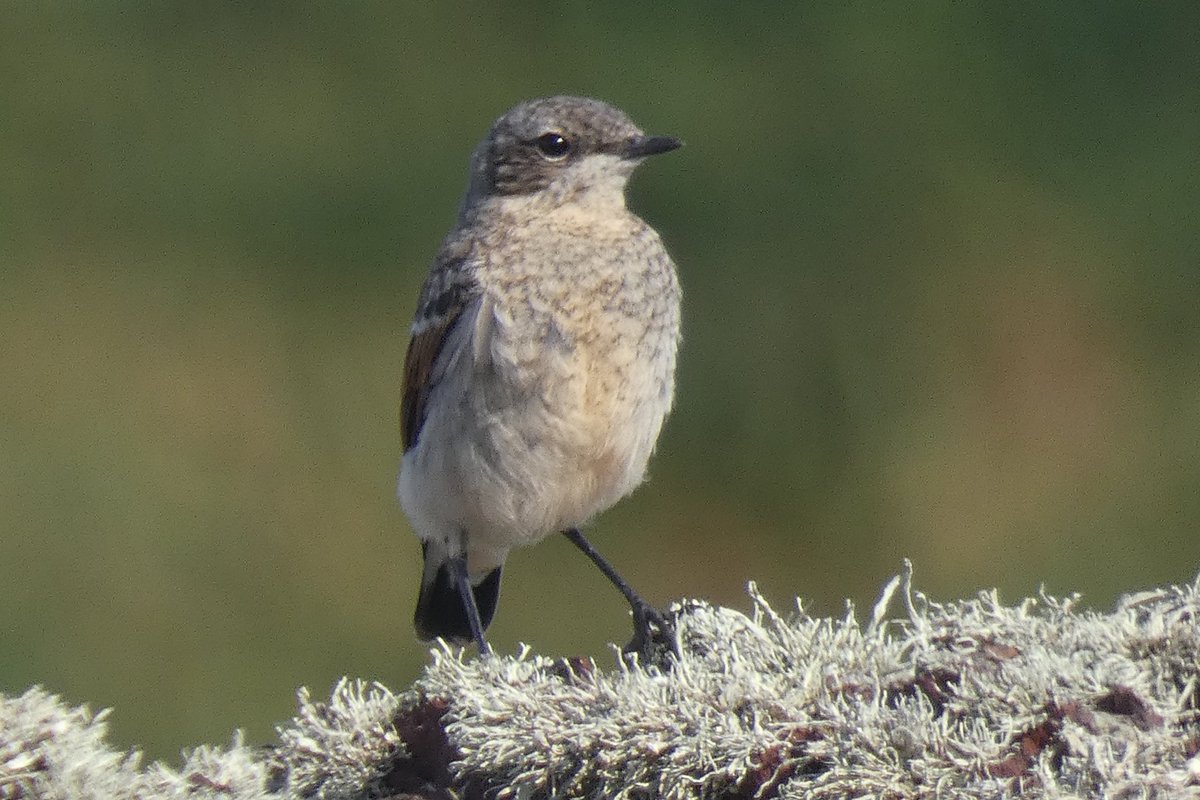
541, 364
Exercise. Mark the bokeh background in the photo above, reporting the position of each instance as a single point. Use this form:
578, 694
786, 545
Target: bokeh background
942, 302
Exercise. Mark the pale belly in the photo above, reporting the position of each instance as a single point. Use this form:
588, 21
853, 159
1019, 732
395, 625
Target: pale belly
514, 464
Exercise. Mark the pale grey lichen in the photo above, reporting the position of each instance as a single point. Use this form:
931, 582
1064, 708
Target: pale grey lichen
971, 699
333, 749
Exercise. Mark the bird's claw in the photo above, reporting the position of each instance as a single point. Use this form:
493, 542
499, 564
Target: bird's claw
653, 639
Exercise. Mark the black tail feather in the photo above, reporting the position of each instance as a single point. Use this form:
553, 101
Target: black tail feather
440, 610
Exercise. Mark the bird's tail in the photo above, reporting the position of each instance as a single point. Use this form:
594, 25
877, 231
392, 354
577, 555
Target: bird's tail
440, 609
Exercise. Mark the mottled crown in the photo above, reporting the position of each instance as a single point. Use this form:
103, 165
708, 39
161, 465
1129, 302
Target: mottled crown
596, 124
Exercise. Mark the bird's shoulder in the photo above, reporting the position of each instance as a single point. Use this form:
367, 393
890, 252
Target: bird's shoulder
451, 283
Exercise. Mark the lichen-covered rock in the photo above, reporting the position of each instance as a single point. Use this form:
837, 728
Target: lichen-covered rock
971, 699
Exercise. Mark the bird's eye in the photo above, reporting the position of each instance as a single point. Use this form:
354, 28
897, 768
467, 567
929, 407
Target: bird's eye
553, 145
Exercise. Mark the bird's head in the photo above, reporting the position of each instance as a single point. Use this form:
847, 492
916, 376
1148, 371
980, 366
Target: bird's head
557, 150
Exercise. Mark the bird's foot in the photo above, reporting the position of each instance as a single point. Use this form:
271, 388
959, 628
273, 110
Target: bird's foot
653, 641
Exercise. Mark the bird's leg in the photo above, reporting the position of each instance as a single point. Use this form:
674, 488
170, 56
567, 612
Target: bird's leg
649, 627
462, 580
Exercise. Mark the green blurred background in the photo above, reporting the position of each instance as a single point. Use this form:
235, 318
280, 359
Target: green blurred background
942, 301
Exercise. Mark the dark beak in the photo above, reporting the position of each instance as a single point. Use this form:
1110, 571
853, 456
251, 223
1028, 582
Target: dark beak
642, 146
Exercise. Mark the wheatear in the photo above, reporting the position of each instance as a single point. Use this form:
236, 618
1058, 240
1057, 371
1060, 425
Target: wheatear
542, 359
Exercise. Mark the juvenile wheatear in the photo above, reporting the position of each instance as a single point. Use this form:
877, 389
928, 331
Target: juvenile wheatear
542, 359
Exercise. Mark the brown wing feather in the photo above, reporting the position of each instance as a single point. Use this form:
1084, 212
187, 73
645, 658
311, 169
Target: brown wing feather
448, 290
423, 350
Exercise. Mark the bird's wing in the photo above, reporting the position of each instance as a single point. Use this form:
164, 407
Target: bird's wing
449, 299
